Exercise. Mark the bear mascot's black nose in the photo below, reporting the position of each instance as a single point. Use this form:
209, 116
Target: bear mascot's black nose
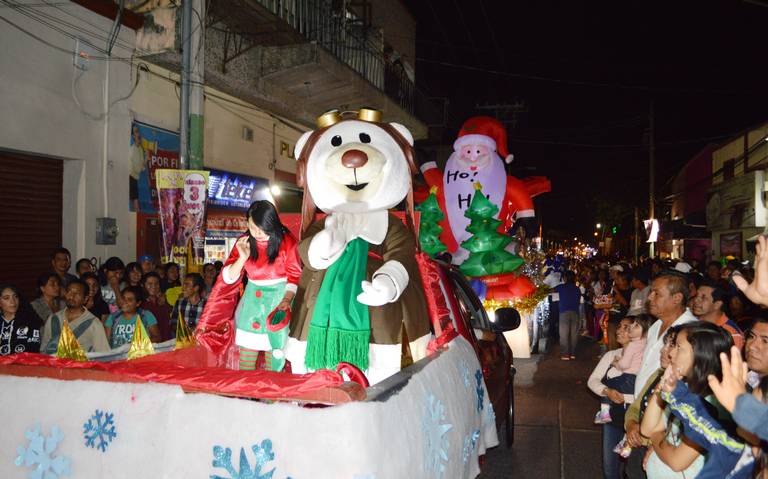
354, 159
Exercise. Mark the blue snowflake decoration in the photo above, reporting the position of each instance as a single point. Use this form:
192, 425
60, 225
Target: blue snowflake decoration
470, 442
465, 374
479, 389
99, 430
222, 458
490, 416
436, 442
40, 452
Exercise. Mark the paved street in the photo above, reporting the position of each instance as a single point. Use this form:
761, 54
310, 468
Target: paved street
554, 435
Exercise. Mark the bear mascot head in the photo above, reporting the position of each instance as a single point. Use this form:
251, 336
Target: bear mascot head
360, 299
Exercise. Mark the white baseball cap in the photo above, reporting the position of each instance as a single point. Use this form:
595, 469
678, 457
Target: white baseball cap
683, 267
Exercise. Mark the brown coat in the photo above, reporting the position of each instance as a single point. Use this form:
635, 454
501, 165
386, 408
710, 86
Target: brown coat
387, 320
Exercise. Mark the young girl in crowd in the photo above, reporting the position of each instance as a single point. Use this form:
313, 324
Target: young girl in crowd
94, 302
624, 367
634, 468
121, 324
612, 431
133, 274
703, 427
112, 282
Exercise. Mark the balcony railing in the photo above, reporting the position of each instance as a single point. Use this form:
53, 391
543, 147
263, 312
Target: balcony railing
328, 24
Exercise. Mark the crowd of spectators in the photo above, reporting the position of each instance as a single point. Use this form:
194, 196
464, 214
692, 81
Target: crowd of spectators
684, 397
102, 305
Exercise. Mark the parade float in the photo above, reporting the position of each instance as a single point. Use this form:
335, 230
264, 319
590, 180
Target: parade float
179, 410
471, 211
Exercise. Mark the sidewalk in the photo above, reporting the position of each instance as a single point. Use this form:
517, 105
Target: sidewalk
554, 433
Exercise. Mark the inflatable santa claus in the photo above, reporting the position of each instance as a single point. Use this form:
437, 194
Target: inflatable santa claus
479, 155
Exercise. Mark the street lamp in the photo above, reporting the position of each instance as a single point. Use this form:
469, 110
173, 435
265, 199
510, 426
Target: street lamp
598, 226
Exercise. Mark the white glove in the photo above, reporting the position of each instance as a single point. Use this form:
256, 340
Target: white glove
326, 247
381, 290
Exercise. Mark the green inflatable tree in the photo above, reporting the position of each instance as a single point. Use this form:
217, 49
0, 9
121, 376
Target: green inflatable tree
486, 246
429, 229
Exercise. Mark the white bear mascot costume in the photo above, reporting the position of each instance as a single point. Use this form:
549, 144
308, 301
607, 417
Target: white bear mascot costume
360, 297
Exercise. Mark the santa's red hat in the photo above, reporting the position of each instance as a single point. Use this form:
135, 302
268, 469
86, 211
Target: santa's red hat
487, 131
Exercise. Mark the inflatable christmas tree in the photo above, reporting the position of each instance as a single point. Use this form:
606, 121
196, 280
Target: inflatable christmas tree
488, 260
429, 229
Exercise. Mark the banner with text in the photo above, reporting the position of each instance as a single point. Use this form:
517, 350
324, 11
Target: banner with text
152, 148
182, 195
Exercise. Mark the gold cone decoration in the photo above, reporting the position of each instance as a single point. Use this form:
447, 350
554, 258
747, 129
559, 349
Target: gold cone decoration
141, 345
68, 347
184, 337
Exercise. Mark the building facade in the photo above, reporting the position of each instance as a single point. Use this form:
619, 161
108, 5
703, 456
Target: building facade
67, 108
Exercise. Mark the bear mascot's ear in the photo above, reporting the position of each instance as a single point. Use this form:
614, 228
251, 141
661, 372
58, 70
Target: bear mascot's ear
403, 131
301, 166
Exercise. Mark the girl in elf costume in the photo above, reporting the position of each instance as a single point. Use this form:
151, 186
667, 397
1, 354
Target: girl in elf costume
268, 257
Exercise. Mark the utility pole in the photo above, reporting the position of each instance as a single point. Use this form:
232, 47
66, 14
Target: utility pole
191, 124
651, 173
637, 222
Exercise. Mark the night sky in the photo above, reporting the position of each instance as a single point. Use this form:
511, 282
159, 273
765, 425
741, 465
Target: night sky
587, 72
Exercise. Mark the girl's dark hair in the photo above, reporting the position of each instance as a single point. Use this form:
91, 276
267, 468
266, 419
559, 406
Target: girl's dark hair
644, 320
137, 291
81, 261
133, 266
114, 264
264, 215
42, 280
151, 274
671, 334
707, 341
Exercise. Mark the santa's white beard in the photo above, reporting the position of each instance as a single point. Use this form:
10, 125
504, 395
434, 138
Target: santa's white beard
459, 186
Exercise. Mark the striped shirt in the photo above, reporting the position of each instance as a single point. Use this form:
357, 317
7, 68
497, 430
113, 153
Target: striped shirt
190, 312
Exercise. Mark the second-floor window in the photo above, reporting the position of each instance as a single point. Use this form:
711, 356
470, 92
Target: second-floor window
729, 168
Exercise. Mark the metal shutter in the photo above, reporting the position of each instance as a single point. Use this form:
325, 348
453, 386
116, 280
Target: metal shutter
30, 218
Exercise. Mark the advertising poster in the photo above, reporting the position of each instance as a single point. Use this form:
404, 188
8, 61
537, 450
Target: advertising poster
182, 195
152, 148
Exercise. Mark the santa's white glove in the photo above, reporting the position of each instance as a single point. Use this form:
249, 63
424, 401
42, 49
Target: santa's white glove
380, 291
326, 247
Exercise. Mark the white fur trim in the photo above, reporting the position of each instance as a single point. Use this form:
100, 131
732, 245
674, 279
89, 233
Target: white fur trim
383, 359
255, 341
278, 354
509, 159
291, 287
227, 275
524, 214
395, 271
266, 282
430, 165
474, 139
295, 351
419, 346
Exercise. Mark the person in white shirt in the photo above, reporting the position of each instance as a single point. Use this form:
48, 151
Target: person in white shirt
667, 301
639, 298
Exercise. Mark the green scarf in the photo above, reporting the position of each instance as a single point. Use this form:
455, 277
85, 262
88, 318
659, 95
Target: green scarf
340, 328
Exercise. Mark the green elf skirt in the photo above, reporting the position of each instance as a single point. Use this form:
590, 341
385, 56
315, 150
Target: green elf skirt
252, 315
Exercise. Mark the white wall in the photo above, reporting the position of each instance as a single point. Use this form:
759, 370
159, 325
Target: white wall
156, 102
38, 115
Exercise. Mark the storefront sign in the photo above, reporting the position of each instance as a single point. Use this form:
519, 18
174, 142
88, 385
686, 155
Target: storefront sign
233, 191
151, 148
182, 210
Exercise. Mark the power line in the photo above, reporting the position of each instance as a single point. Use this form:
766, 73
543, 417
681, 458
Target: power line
586, 83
